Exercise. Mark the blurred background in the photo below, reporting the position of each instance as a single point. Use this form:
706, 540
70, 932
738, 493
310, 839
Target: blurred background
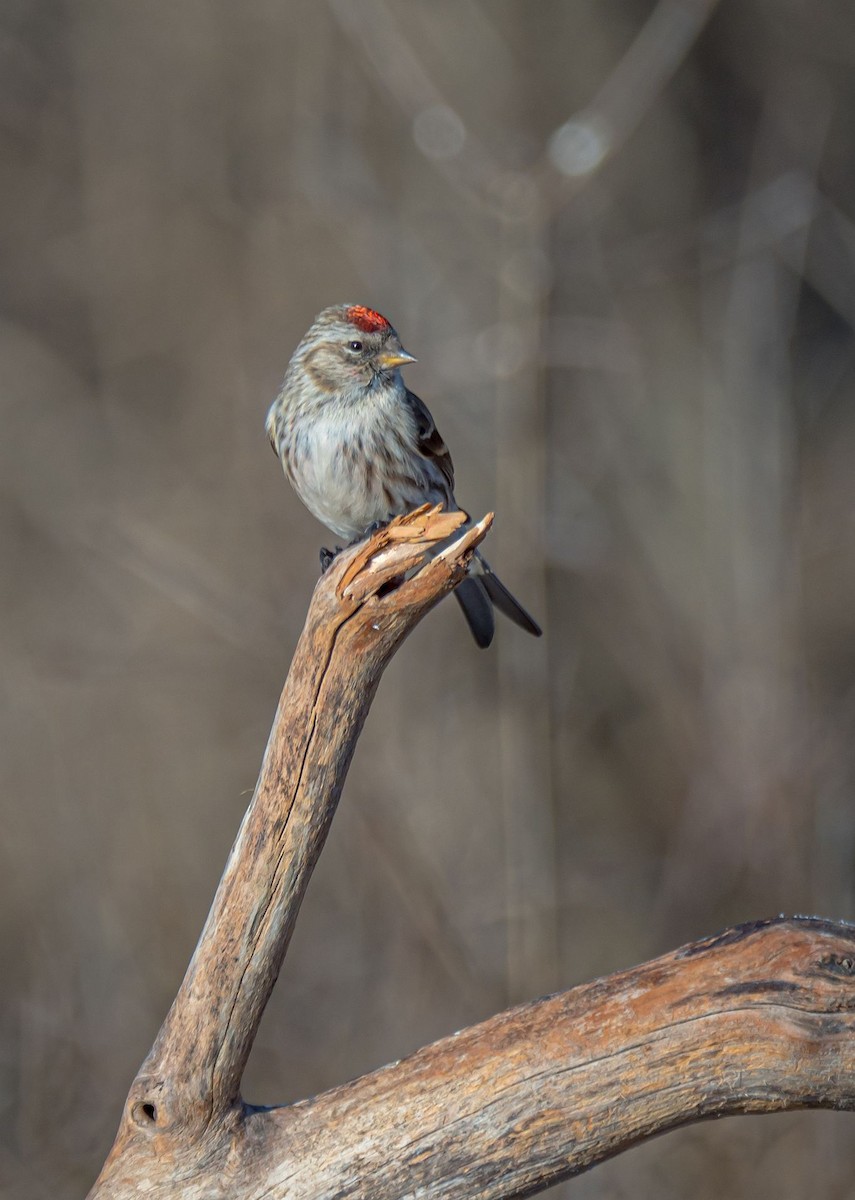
620, 238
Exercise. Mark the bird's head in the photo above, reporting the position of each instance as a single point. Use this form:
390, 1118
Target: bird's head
350, 348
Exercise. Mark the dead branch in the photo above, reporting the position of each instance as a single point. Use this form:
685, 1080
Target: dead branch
758, 1019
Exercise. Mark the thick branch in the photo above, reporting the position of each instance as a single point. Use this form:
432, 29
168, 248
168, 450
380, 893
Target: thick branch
759, 1019
361, 610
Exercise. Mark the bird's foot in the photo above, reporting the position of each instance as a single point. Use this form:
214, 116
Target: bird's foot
327, 557
374, 527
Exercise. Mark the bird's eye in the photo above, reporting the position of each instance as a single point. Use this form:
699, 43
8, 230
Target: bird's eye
354, 345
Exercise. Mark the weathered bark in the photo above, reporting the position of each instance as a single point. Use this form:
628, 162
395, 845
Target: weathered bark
758, 1019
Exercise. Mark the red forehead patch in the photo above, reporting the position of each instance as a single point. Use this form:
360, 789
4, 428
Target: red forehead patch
367, 319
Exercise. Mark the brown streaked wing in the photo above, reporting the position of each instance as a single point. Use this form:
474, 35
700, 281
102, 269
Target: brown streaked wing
430, 440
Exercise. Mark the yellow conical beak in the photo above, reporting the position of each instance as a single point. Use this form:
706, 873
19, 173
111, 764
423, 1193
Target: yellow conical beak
388, 359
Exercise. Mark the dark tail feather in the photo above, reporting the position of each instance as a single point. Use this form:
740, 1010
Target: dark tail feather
472, 597
506, 603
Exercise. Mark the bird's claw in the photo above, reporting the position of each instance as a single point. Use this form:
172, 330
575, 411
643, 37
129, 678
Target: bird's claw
374, 527
327, 557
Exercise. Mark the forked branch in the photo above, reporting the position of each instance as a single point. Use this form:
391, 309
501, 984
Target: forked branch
759, 1019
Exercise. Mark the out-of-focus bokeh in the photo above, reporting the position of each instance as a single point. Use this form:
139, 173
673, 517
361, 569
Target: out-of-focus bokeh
620, 238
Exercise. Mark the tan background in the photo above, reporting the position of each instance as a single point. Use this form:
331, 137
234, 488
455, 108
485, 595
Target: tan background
645, 366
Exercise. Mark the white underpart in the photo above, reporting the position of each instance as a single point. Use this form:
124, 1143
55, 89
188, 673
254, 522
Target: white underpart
335, 486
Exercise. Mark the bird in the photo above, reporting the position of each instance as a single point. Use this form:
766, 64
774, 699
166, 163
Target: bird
360, 448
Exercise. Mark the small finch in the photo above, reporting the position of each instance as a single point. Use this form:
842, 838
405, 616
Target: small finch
359, 447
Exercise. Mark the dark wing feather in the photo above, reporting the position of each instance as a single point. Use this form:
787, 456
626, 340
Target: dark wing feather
431, 444
472, 597
506, 603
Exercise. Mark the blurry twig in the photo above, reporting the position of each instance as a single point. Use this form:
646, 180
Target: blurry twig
177, 572
578, 147
583, 143
371, 27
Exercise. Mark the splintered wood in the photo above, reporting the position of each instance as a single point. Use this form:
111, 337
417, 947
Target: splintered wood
405, 543
758, 1019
